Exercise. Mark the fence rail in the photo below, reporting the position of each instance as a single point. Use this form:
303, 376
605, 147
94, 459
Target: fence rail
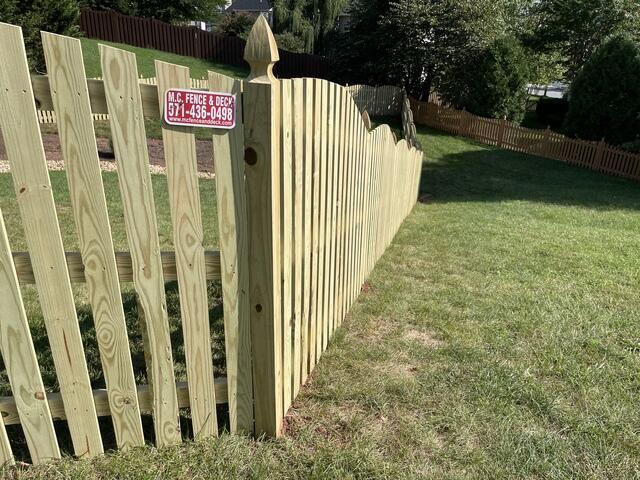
308, 199
49, 116
545, 143
191, 41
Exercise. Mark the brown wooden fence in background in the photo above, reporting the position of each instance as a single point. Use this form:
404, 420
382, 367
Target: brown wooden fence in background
191, 41
545, 143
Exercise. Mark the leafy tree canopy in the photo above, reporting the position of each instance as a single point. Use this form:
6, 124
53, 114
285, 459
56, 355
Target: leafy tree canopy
414, 43
493, 84
604, 100
170, 11
56, 16
309, 20
575, 28
235, 25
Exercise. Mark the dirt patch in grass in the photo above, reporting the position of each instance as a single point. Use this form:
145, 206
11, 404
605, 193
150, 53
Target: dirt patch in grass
428, 339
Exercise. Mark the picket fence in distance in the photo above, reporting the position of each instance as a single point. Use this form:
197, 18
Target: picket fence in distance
597, 156
308, 199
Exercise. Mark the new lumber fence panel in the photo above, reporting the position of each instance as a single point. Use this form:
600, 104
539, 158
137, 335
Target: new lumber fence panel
308, 198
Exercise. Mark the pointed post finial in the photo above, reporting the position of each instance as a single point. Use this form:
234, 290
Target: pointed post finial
261, 51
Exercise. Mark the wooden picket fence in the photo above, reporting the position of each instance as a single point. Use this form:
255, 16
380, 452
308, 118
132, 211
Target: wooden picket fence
308, 199
383, 100
48, 116
597, 156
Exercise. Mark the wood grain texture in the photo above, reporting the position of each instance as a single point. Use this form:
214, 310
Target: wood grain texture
75, 266
130, 146
308, 135
297, 95
97, 98
10, 416
21, 364
6, 454
188, 239
315, 223
21, 132
287, 198
330, 215
86, 192
261, 106
228, 152
322, 222
334, 138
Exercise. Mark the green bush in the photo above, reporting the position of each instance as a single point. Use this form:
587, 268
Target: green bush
552, 111
235, 25
56, 16
633, 146
492, 83
604, 100
290, 42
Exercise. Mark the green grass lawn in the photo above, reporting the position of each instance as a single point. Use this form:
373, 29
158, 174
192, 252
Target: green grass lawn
146, 57
499, 338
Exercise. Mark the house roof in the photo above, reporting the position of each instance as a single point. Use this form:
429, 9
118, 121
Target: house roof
250, 6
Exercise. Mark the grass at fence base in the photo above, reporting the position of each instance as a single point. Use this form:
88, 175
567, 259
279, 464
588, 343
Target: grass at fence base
498, 337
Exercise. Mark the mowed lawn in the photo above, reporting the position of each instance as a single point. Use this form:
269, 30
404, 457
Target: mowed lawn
497, 338
146, 57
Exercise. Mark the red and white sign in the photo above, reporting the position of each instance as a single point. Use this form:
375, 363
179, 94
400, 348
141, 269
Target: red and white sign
198, 108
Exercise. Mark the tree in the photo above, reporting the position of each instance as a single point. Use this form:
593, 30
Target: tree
493, 84
170, 11
575, 28
289, 42
292, 16
235, 25
604, 100
413, 43
56, 16
309, 20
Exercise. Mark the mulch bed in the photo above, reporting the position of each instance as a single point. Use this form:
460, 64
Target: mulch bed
53, 153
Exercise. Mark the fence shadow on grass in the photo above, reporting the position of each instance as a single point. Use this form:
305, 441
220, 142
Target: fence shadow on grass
476, 173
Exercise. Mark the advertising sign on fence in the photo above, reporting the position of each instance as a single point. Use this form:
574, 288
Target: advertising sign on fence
198, 108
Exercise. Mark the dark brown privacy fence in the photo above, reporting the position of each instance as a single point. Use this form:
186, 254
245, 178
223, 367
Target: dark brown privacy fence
545, 143
191, 41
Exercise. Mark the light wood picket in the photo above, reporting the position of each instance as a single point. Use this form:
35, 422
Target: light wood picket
21, 364
297, 96
130, 146
182, 180
77, 139
308, 138
308, 198
232, 222
21, 132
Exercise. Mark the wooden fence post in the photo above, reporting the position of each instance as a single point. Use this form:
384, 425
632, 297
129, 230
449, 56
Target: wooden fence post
262, 171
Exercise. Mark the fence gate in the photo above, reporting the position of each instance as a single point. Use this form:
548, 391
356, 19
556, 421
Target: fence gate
308, 198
